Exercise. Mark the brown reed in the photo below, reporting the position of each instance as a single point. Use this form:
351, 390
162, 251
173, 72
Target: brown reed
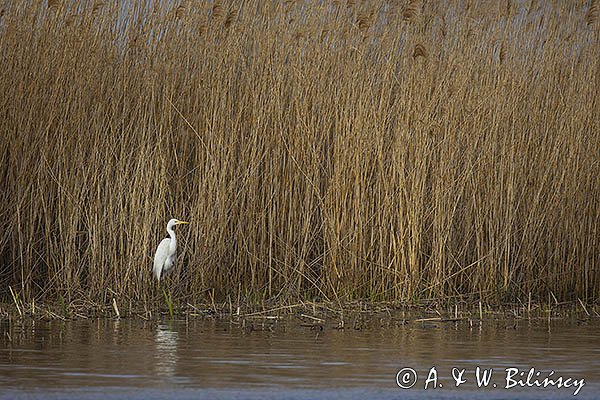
311, 165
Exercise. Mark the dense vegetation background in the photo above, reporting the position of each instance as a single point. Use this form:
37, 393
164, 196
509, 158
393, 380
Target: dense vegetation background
338, 150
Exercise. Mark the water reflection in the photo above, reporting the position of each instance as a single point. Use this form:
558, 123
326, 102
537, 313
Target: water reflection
165, 351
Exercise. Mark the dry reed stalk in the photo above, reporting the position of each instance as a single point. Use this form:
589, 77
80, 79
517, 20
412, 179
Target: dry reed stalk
507, 8
533, 6
501, 53
323, 35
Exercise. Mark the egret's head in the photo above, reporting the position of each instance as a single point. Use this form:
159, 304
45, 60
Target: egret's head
175, 221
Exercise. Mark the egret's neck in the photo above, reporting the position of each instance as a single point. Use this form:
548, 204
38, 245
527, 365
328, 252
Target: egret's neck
171, 232
173, 242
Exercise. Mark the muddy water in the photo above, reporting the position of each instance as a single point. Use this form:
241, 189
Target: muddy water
132, 359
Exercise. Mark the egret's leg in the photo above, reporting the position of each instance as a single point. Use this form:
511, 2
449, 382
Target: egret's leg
156, 297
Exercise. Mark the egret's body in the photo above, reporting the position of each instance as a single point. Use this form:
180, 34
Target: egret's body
166, 252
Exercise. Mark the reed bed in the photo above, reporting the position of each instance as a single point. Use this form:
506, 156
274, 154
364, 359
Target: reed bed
399, 151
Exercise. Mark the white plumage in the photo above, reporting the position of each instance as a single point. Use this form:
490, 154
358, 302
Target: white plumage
166, 252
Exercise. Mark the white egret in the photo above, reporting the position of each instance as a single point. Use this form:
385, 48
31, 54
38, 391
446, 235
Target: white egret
166, 252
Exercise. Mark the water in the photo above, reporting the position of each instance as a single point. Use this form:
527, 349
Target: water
207, 359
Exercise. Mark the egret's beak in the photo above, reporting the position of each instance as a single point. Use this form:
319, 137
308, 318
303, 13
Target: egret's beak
181, 222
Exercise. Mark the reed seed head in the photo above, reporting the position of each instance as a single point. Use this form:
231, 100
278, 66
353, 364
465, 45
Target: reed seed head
591, 17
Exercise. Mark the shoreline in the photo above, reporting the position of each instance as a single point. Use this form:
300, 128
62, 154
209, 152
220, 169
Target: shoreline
315, 313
